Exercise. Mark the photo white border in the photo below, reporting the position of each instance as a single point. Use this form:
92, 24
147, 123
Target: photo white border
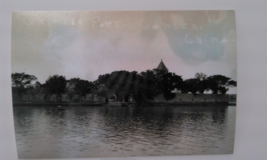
251, 27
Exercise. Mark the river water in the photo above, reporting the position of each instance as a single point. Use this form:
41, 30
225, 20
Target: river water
80, 132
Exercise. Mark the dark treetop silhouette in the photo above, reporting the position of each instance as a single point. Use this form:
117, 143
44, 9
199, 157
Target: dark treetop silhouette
143, 87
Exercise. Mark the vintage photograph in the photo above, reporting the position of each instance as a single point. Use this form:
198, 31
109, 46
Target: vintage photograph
89, 84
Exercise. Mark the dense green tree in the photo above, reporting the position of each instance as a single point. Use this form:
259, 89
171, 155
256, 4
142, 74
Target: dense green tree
137, 88
201, 76
22, 80
143, 87
71, 83
192, 85
100, 85
168, 83
201, 83
184, 87
56, 84
125, 83
122, 83
37, 85
82, 87
220, 84
149, 84
22, 83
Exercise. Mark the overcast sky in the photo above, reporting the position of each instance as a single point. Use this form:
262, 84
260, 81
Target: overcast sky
87, 44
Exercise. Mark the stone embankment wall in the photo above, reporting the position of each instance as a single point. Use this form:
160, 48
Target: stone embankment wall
181, 98
53, 98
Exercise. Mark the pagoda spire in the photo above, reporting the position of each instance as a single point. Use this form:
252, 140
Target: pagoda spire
162, 66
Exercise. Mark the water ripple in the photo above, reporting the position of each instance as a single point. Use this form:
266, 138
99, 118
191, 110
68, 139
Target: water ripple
80, 132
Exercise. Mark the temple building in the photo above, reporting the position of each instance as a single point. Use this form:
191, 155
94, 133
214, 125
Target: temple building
162, 66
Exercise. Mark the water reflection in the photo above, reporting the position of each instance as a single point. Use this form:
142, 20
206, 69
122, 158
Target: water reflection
123, 131
218, 115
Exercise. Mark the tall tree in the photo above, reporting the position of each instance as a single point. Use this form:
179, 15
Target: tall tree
100, 87
22, 82
220, 84
56, 85
201, 82
82, 87
169, 82
123, 84
192, 85
71, 83
201, 76
150, 83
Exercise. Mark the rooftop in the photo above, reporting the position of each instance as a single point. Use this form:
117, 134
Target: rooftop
162, 66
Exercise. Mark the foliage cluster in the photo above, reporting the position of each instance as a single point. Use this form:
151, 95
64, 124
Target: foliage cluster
143, 87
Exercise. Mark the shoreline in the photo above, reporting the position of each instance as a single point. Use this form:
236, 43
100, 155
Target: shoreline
65, 104
52, 104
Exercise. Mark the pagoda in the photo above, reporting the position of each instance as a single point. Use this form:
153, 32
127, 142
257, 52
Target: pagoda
162, 66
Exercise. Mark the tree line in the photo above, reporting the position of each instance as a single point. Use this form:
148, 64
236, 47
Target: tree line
143, 86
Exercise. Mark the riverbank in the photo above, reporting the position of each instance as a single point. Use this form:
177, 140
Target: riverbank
56, 104
124, 104
179, 100
189, 104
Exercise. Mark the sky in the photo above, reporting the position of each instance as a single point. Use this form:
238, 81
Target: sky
86, 44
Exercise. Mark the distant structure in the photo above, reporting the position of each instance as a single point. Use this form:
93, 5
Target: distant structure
162, 66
